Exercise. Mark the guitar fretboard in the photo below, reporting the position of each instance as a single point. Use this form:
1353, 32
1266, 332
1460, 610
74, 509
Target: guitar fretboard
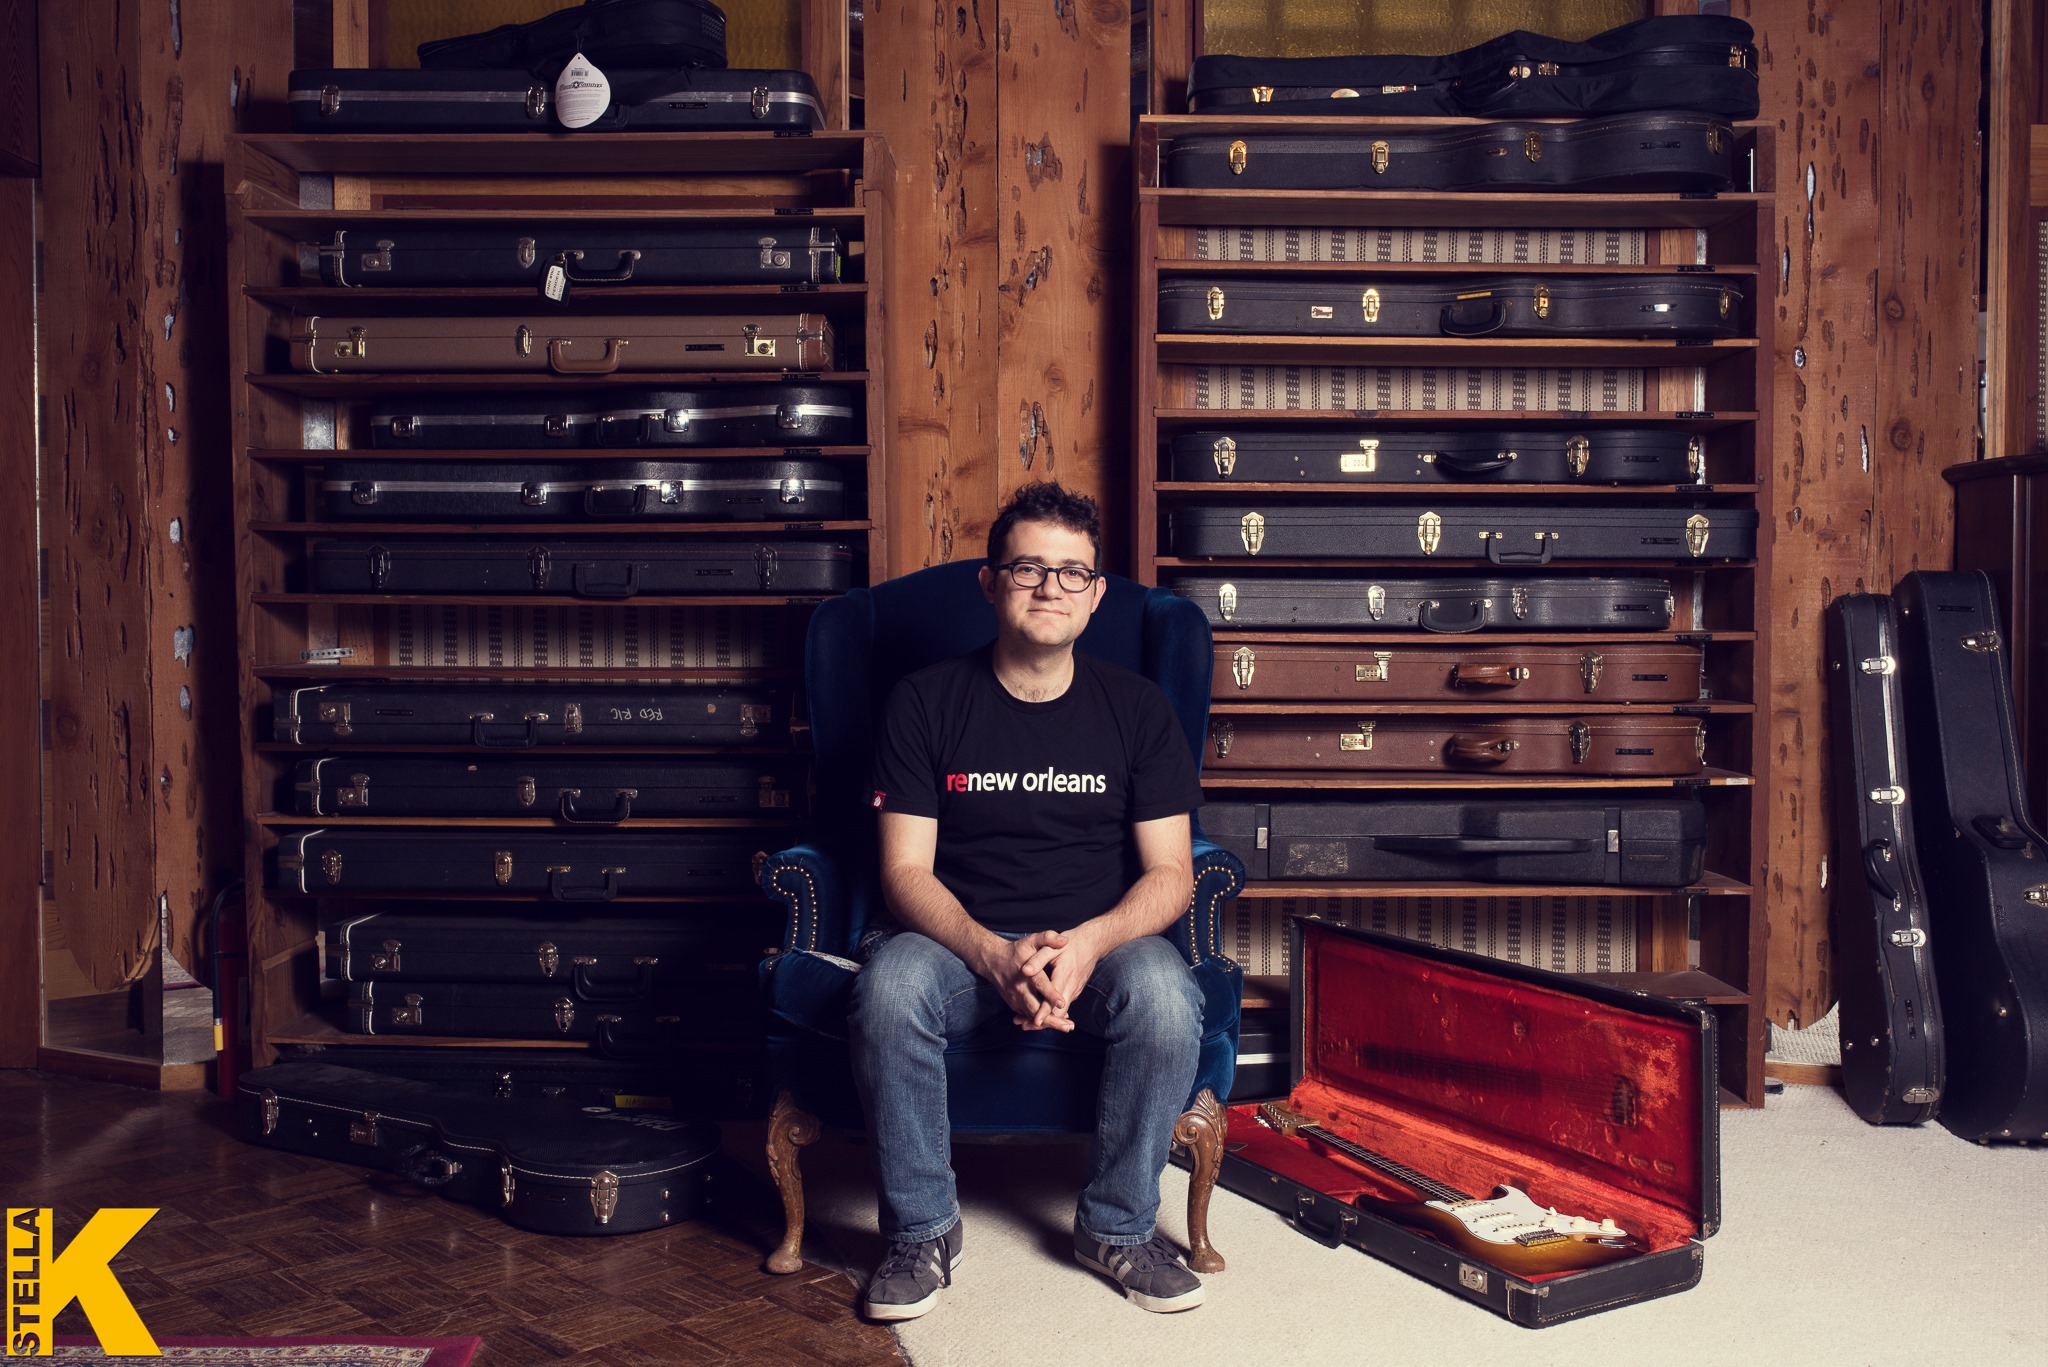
1428, 1185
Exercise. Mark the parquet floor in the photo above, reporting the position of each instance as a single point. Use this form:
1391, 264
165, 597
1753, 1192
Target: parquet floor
254, 1241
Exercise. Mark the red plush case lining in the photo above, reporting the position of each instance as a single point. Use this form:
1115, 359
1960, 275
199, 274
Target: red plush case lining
1476, 1079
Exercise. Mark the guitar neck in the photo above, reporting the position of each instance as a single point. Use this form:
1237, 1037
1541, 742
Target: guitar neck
1429, 1186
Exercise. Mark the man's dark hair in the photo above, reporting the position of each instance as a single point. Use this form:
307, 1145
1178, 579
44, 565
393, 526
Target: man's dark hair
1046, 501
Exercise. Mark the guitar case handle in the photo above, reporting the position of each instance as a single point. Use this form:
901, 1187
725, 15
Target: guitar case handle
629, 257
1480, 844
1499, 554
1879, 864
426, 1166
587, 585
560, 362
483, 740
621, 812
1432, 617
1459, 463
1478, 748
615, 502
1467, 675
563, 891
2001, 832
1457, 319
613, 989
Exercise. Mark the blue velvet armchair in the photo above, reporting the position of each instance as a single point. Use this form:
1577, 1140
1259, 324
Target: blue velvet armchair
999, 1080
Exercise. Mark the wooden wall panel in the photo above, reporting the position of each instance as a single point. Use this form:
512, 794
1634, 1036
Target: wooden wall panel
21, 870
20, 138
2013, 398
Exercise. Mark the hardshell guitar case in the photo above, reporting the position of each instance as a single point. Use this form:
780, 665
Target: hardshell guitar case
562, 343
1507, 535
595, 866
610, 33
1598, 1102
789, 489
1892, 1056
1369, 455
550, 1169
1449, 604
1508, 675
788, 413
558, 257
403, 100
1980, 847
1647, 745
709, 1080
603, 568
593, 957
522, 716
591, 790
618, 1026
1656, 307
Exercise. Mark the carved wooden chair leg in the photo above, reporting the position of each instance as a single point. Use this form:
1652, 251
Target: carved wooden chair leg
1202, 1128
789, 1129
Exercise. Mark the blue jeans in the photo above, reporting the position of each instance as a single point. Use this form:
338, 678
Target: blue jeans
914, 995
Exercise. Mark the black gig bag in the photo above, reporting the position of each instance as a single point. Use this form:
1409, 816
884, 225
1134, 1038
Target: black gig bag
609, 32
547, 1168
594, 958
1979, 846
1675, 307
593, 866
1450, 604
1563, 842
521, 716
1370, 455
556, 257
402, 100
787, 489
1631, 152
1507, 535
592, 790
608, 568
750, 414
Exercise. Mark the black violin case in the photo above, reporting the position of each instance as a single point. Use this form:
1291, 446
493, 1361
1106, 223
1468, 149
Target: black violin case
1892, 1056
593, 790
1980, 847
787, 489
1369, 455
1681, 307
1509, 535
547, 1168
554, 256
519, 717
595, 866
1449, 603
405, 100
746, 414
1631, 152
607, 32
607, 568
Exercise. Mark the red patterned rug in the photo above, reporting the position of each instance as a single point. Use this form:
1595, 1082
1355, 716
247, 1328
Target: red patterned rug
344, 1351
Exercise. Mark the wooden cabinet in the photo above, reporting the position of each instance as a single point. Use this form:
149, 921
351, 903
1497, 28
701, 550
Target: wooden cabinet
285, 191
1703, 942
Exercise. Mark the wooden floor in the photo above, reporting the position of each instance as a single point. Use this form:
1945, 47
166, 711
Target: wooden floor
253, 1241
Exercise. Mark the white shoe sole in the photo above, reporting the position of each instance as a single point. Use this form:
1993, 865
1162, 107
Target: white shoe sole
907, 1310
1159, 1305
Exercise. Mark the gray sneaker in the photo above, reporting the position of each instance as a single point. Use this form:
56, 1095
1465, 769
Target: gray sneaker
1151, 1273
909, 1280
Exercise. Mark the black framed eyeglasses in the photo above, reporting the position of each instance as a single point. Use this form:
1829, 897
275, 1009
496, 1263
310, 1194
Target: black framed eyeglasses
1029, 574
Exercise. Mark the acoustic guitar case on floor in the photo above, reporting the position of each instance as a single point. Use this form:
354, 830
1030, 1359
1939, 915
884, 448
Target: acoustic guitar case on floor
725, 414
1561, 841
1892, 1056
594, 958
1979, 846
1448, 604
1599, 1102
561, 343
1375, 455
771, 490
594, 790
406, 100
521, 716
1632, 153
547, 1168
1506, 535
557, 258
601, 568
713, 1080
1658, 307
1699, 63
1660, 746
1508, 675
673, 33
595, 866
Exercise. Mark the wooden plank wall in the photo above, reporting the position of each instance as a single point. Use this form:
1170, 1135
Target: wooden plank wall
2011, 347
1009, 123
1876, 106
136, 102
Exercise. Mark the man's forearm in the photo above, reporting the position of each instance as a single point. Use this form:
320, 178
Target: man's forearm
920, 902
1154, 902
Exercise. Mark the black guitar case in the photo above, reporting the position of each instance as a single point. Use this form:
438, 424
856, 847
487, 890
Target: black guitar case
558, 257
594, 958
594, 866
405, 100
1450, 603
1370, 455
560, 1078
546, 1168
747, 414
519, 717
1892, 1058
608, 32
605, 568
1680, 307
1264, 1052
617, 1026
1562, 842
1506, 535
787, 489
595, 790
1699, 63
1979, 846
1627, 152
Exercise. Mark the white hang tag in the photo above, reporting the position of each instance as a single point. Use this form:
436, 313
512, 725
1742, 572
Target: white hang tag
582, 93
554, 281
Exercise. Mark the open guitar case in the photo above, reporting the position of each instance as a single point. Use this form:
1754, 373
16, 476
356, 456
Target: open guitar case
1477, 1072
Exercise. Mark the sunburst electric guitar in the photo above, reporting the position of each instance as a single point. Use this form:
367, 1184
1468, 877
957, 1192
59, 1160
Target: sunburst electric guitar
1508, 1230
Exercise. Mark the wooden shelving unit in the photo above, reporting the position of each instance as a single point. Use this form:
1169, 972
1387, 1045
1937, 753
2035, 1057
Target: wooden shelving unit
1703, 943
285, 190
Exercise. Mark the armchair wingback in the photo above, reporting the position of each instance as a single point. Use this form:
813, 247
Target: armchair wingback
999, 1080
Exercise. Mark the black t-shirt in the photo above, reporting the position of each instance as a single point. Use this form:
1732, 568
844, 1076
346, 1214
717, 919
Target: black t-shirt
1034, 800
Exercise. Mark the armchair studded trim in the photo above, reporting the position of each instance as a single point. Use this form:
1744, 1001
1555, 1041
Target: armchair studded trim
1219, 876
786, 880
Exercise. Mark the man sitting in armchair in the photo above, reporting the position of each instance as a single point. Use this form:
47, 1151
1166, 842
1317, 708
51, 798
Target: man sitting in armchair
1034, 841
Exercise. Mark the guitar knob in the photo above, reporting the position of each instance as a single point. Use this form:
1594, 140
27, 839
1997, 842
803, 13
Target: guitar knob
1607, 1226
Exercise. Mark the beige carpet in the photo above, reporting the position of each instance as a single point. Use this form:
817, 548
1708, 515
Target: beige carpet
1841, 1244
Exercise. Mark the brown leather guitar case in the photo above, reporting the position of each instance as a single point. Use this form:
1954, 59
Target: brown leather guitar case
1508, 674
564, 344
1654, 746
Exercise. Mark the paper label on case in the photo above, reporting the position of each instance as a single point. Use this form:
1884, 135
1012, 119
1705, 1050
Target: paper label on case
582, 93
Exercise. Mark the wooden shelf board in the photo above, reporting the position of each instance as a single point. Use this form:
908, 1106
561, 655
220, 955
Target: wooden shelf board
1184, 348
535, 600
1426, 419
1234, 563
1334, 779
371, 386
549, 154
1430, 209
520, 298
1478, 640
1686, 985
1710, 885
349, 673
650, 528
1496, 707
665, 823
298, 456
1453, 489
1191, 266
